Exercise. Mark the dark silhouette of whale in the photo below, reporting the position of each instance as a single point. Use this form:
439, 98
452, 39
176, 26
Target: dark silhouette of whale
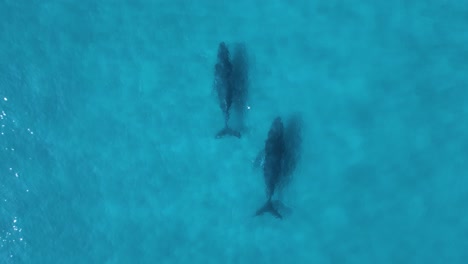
224, 86
279, 158
272, 167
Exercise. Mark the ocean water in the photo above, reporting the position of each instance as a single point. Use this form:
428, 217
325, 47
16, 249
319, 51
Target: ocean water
107, 115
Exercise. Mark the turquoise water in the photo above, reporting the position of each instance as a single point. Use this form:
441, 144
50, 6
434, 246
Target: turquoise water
107, 149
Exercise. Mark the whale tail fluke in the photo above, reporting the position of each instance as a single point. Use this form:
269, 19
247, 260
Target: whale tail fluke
227, 131
268, 208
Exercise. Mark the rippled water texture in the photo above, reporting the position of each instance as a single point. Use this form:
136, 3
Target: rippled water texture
108, 118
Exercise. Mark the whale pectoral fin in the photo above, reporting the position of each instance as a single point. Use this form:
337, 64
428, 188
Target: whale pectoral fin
259, 161
228, 132
268, 208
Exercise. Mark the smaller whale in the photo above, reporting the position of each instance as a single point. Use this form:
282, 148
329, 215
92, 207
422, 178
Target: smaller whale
224, 86
272, 165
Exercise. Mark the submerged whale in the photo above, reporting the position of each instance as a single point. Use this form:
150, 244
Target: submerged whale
224, 86
272, 167
279, 158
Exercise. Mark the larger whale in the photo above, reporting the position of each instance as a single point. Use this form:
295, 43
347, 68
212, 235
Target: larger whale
224, 86
272, 167
279, 159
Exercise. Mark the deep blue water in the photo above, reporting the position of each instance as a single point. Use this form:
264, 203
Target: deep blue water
107, 149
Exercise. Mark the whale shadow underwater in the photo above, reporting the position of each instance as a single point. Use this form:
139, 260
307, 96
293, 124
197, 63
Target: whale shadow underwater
278, 159
231, 83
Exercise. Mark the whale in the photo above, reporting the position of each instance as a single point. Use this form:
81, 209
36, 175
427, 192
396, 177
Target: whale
272, 165
279, 158
225, 89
